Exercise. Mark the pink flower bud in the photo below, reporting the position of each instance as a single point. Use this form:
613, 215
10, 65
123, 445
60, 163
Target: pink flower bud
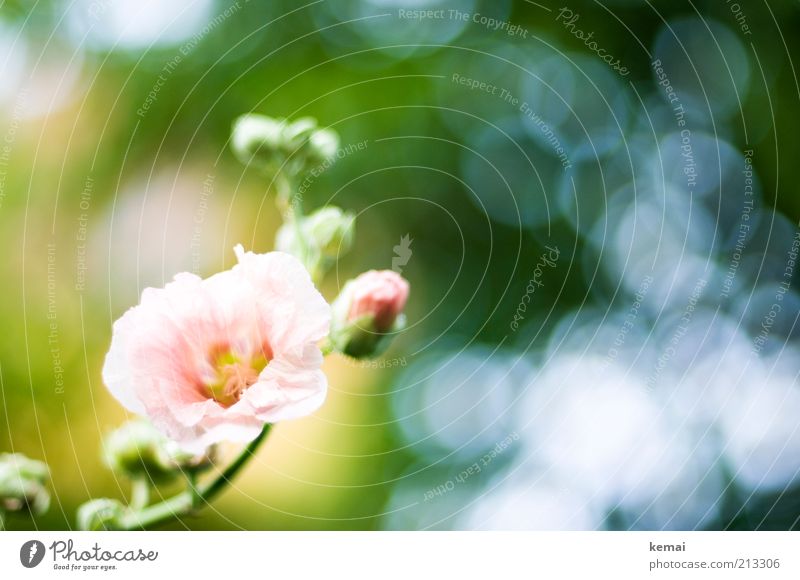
368, 313
380, 294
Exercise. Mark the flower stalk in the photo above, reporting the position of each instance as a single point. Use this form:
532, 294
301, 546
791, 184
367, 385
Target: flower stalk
140, 493
194, 497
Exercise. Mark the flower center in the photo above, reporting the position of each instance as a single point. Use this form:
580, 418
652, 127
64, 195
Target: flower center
233, 375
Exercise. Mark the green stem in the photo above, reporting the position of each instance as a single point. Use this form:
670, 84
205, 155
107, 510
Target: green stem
140, 493
296, 215
283, 194
183, 503
291, 208
191, 482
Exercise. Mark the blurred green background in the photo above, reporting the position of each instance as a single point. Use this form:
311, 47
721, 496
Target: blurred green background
117, 174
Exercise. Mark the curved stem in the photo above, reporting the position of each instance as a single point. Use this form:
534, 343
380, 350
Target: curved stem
140, 493
183, 503
191, 482
209, 491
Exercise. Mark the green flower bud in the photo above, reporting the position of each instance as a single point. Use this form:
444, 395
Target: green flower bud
258, 139
306, 146
100, 514
323, 145
185, 461
22, 484
296, 134
137, 449
327, 234
331, 230
287, 240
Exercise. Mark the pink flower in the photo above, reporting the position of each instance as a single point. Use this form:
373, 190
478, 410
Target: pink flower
215, 359
382, 294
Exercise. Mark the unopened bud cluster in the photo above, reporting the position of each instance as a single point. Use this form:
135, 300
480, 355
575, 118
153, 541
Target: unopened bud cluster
22, 484
142, 454
279, 145
138, 450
